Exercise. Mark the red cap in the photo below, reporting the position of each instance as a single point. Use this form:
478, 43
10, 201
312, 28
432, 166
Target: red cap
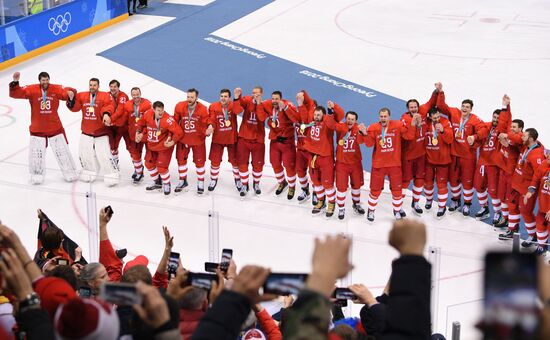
139, 260
53, 292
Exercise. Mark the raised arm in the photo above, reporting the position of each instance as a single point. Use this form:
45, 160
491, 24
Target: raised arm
16, 91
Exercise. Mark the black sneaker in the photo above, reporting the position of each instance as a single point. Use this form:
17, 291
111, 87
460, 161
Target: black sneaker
212, 184
428, 204
529, 242
304, 195
455, 205
157, 185
416, 208
290, 193
483, 213
121, 253
508, 235
138, 178
257, 189
370, 215
342, 213
358, 209
281, 187
182, 185
441, 212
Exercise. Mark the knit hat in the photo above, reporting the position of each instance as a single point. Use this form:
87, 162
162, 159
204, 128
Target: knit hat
86, 319
53, 292
254, 334
139, 260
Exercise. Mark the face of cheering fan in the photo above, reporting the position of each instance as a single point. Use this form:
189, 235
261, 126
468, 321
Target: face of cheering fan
159, 111
384, 117
44, 83
136, 96
94, 86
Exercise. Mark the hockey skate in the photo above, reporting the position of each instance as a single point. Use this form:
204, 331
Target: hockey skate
157, 185
342, 213
238, 184
318, 208
330, 210
402, 213
531, 240
455, 205
441, 212
497, 218
358, 209
416, 208
257, 189
200, 188
508, 235
397, 215
290, 193
428, 204
212, 185
138, 178
304, 195
181, 185
541, 250
281, 187
370, 215
166, 188
483, 213
243, 191
466, 210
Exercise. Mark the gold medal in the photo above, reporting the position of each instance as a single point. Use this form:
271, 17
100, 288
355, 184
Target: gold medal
435, 141
382, 143
457, 135
90, 109
341, 142
158, 133
137, 119
228, 123
273, 124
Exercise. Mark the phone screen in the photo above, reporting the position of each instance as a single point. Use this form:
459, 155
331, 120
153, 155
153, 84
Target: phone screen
201, 280
173, 263
211, 267
120, 294
85, 292
227, 255
510, 295
284, 283
344, 294
62, 262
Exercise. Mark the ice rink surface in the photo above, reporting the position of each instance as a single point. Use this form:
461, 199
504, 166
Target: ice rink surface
479, 50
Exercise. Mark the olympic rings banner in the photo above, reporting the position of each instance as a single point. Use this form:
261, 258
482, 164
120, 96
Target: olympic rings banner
38, 30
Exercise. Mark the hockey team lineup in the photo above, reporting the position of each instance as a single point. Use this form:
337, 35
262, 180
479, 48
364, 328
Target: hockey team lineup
434, 145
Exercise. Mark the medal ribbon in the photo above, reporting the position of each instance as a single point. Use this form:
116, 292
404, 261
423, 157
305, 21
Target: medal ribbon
384, 130
158, 125
345, 138
136, 110
526, 153
434, 130
303, 127
193, 111
225, 112
44, 98
463, 124
92, 100
490, 135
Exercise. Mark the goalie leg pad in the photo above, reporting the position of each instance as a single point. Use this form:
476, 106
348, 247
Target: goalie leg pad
107, 163
37, 159
86, 153
64, 158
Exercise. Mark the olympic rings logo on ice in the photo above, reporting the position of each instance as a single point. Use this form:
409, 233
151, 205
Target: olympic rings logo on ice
60, 23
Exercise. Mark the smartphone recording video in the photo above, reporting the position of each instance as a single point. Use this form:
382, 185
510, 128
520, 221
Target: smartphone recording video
344, 294
120, 294
284, 283
210, 267
173, 263
62, 262
85, 292
510, 305
227, 255
201, 280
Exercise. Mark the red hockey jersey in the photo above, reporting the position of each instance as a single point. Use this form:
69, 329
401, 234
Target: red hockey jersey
415, 147
252, 125
387, 150
225, 132
129, 114
156, 132
438, 150
348, 150
92, 108
194, 123
530, 159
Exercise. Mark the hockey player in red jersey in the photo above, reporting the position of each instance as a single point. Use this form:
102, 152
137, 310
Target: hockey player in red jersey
129, 115
281, 115
119, 130
487, 173
192, 116
349, 167
530, 159
46, 128
541, 184
439, 137
414, 150
386, 136
161, 134
94, 149
223, 117
251, 144
319, 130
511, 142
302, 155
468, 131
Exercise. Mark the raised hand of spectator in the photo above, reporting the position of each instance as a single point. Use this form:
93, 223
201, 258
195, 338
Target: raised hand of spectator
231, 270
104, 218
217, 287
330, 262
168, 239
14, 274
154, 310
249, 281
363, 294
408, 237
9, 239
